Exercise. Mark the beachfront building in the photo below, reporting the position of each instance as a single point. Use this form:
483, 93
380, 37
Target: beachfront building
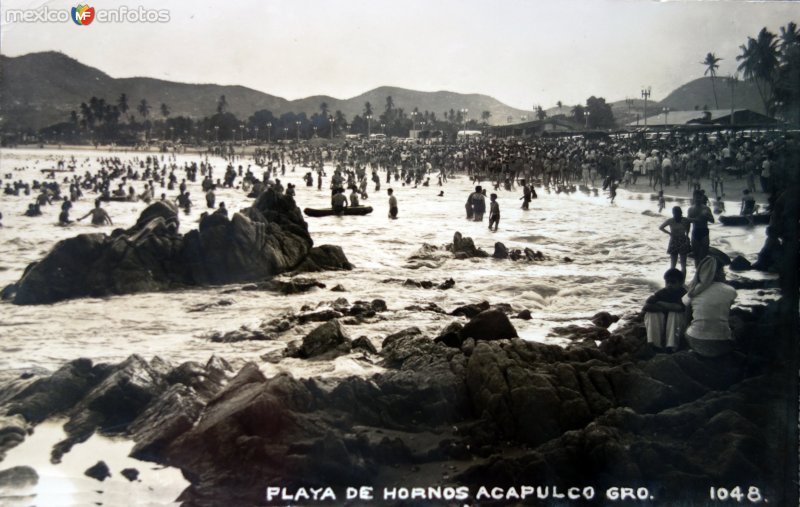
547, 126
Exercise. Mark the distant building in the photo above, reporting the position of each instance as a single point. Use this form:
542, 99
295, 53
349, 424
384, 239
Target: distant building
548, 126
671, 119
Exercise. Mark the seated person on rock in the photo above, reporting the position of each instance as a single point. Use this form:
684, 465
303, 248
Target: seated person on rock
665, 314
709, 300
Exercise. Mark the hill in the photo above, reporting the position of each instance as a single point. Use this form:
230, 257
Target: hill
40, 89
699, 94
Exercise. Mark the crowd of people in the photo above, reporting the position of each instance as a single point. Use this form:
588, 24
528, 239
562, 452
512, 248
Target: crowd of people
352, 169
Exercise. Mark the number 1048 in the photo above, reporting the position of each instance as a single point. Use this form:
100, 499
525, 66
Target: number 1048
737, 494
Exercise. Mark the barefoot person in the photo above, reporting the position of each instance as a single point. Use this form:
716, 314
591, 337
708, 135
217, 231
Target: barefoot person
99, 215
494, 212
679, 245
700, 215
392, 203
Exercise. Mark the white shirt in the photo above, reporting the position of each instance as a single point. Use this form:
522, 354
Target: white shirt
710, 311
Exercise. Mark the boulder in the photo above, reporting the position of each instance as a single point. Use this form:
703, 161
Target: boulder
130, 473
500, 251
604, 319
470, 310
525, 315
328, 340
489, 325
98, 471
324, 258
464, 248
739, 263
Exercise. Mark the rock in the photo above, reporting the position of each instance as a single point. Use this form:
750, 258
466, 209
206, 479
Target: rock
533, 256
8, 292
324, 258
363, 343
428, 307
17, 478
207, 306
450, 335
604, 319
265, 240
574, 332
328, 339
13, 430
525, 315
130, 473
297, 285
739, 263
447, 284
489, 325
338, 288
500, 251
464, 248
470, 310
98, 471
567, 260
379, 305
411, 283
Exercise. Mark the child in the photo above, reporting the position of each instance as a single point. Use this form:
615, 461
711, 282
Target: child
661, 203
665, 314
494, 212
719, 206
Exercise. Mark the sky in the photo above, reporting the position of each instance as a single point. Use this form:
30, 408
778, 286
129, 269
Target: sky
521, 52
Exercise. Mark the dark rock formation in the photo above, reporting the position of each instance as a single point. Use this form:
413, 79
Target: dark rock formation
471, 310
489, 325
98, 471
262, 241
325, 342
324, 258
739, 263
500, 251
464, 248
604, 319
130, 473
525, 315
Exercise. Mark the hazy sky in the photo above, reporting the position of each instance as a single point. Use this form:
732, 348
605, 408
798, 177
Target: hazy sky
522, 52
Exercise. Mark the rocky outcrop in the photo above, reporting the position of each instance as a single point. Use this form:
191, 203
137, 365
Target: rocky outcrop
605, 415
265, 240
464, 248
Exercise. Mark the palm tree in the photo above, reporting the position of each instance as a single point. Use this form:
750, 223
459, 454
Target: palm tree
760, 63
485, 116
165, 110
789, 36
144, 109
122, 103
367, 108
324, 109
560, 105
711, 63
389, 103
222, 104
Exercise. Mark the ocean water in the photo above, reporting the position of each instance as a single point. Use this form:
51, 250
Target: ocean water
618, 254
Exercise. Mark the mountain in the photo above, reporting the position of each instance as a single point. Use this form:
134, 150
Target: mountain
699, 94
41, 89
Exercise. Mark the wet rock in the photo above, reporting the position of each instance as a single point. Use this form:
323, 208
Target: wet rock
604, 319
323, 315
363, 343
428, 307
575, 332
533, 255
58, 392
489, 325
451, 335
739, 263
338, 288
98, 471
130, 473
464, 248
447, 284
16, 478
173, 414
328, 340
13, 430
568, 260
238, 335
470, 310
525, 315
324, 258
8, 292
500, 251
296, 285
207, 306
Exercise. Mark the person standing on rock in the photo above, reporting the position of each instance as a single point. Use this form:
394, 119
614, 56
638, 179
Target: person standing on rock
392, 204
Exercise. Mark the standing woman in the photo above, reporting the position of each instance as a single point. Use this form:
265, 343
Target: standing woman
679, 244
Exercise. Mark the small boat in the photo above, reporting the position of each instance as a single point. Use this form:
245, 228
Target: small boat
326, 212
754, 219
